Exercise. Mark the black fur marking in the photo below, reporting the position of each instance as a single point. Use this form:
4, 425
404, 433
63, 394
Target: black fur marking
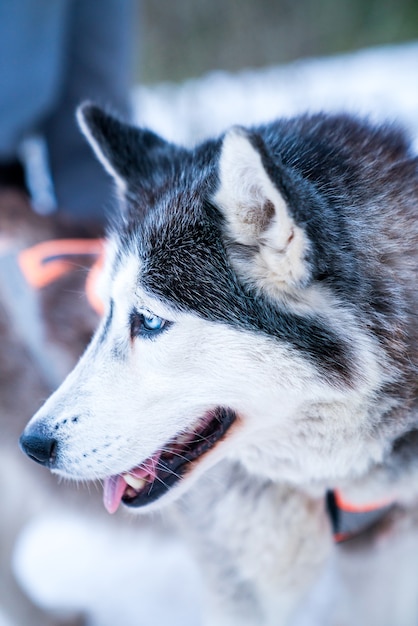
138, 156
186, 263
126, 148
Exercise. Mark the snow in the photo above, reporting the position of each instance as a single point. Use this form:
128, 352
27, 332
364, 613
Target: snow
135, 577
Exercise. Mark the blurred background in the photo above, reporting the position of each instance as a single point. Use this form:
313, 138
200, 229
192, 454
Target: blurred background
186, 38
196, 67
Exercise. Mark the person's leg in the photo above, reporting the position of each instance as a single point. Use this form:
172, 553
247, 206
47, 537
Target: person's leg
31, 53
99, 68
32, 41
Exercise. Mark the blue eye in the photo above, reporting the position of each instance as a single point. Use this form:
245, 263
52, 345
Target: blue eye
152, 322
146, 324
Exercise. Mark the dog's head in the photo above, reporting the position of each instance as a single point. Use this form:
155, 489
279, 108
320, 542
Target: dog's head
219, 339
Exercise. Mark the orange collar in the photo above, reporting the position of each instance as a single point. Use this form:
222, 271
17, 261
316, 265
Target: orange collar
350, 520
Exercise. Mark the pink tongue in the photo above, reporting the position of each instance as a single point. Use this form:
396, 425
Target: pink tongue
114, 486
113, 489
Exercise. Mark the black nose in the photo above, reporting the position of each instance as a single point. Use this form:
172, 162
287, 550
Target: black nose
39, 448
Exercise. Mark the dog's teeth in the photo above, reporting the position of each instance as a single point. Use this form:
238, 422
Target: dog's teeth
134, 482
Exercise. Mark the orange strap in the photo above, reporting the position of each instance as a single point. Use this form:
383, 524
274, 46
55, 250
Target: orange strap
345, 505
349, 520
47, 261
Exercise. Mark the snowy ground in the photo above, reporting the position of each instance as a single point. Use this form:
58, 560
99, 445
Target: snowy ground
137, 578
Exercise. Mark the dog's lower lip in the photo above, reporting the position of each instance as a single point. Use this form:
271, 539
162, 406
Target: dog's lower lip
176, 458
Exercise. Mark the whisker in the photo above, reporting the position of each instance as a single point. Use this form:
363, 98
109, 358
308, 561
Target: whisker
168, 470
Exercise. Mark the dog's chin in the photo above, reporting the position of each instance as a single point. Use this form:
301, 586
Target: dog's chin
164, 475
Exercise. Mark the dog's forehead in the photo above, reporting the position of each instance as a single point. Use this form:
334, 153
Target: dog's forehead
172, 248
184, 255
127, 292
126, 276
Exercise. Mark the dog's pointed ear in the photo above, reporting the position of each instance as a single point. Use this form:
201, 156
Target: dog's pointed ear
124, 150
272, 249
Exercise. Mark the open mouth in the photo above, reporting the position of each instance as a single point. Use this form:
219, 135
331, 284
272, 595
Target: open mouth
160, 472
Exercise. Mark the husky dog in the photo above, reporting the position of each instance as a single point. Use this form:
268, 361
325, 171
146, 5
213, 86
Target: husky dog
260, 345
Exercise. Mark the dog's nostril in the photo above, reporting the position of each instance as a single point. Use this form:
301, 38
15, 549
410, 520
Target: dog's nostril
41, 449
